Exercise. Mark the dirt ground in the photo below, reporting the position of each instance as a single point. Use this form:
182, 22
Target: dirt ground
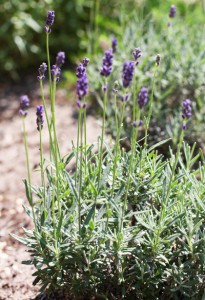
15, 278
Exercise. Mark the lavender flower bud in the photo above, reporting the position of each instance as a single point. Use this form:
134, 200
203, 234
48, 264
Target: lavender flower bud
42, 69
105, 87
56, 72
60, 59
49, 21
39, 119
137, 124
22, 113
158, 59
137, 53
85, 62
114, 44
172, 12
142, 97
24, 104
125, 98
128, 72
107, 63
81, 105
186, 112
187, 109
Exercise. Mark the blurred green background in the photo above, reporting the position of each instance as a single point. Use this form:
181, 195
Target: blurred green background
81, 26
86, 27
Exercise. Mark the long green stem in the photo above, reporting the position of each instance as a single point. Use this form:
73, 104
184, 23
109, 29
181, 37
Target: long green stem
53, 122
41, 166
101, 145
102, 136
150, 106
56, 147
115, 108
28, 170
49, 64
47, 120
77, 149
85, 139
117, 146
80, 170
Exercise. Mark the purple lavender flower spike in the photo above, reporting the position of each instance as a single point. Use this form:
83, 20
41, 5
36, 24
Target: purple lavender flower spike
85, 62
128, 72
80, 70
24, 104
137, 53
186, 112
42, 69
114, 44
49, 21
172, 12
39, 119
142, 97
56, 72
82, 86
82, 82
107, 63
60, 59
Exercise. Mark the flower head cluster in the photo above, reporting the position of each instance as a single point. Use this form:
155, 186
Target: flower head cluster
60, 59
137, 53
24, 104
186, 111
49, 21
42, 69
39, 119
114, 44
172, 12
82, 82
128, 72
107, 63
142, 97
56, 69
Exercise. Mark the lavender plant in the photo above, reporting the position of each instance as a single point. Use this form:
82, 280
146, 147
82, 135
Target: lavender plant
124, 224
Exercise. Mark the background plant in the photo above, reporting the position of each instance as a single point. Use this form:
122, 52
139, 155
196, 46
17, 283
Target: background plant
78, 23
180, 75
